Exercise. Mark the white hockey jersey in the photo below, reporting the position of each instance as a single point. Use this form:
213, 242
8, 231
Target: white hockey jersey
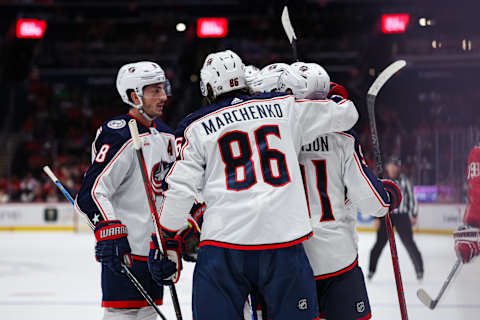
338, 183
242, 155
113, 189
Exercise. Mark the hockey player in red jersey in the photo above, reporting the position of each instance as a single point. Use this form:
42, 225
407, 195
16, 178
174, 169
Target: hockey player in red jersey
467, 238
240, 152
112, 195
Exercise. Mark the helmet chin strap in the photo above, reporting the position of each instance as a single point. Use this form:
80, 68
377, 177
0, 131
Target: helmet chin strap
145, 114
139, 106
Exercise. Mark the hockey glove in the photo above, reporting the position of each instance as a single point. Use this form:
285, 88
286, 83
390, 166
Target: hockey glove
394, 194
112, 246
467, 243
337, 90
161, 267
191, 235
197, 212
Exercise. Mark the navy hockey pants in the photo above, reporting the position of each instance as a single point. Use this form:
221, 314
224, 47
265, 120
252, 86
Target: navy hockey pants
119, 292
344, 296
223, 278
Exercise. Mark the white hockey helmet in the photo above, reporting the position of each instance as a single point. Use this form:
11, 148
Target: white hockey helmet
306, 80
267, 79
135, 76
250, 73
224, 71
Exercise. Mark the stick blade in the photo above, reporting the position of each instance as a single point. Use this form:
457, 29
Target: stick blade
385, 75
287, 25
132, 125
425, 298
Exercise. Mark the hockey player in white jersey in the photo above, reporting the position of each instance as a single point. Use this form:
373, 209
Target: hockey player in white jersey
112, 195
338, 183
241, 153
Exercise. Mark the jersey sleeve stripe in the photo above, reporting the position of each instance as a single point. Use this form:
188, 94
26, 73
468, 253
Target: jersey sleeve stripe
309, 100
184, 147
90, 224
97, 180
370, 183
373, 182
117, 155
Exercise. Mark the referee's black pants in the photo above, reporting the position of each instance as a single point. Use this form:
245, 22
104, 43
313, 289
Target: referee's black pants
403, 225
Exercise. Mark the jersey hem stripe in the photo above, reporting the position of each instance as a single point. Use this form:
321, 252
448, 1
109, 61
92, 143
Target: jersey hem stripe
139, 258
368, 316
255, 246
129, 304
339, 272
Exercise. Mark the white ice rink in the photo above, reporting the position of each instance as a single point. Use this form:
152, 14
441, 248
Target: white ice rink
55, 276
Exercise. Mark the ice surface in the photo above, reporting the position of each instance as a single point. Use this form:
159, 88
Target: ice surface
53, 275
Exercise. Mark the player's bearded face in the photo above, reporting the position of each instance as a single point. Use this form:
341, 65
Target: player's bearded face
154, 99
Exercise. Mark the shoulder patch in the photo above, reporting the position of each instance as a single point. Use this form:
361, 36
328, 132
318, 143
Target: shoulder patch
116, 124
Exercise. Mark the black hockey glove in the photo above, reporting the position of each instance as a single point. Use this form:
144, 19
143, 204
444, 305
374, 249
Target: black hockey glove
112, 245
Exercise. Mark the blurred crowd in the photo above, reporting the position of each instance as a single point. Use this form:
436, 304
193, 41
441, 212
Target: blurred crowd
69, 90
60, 121
57, 127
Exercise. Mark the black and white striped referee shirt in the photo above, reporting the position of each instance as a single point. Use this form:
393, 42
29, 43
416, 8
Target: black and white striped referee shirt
409, 203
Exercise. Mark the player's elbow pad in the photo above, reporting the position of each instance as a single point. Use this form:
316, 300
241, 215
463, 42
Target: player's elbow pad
346, 115
381, 212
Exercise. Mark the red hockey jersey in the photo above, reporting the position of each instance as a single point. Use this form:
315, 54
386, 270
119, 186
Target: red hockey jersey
472, 212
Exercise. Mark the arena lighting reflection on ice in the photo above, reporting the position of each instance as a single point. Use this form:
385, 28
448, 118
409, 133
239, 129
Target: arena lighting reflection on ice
30, 28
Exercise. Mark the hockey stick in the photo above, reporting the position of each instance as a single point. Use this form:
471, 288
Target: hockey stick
425, 298
137, 145
125, 269
371, 96
287, 26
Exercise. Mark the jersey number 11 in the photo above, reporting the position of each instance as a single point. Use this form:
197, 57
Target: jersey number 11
321, 175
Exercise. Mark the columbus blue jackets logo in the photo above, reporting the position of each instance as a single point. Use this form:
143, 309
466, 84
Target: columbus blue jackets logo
159, 171
116, 124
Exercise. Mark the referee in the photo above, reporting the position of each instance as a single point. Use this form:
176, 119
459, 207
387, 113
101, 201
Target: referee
402, 219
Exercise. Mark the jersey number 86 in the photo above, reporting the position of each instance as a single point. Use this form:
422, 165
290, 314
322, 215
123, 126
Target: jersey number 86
242, 161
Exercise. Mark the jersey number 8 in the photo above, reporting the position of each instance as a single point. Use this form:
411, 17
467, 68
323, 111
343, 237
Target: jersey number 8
243, 160
102, 153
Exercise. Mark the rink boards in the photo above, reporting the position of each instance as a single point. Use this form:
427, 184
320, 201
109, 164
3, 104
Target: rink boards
432, 218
